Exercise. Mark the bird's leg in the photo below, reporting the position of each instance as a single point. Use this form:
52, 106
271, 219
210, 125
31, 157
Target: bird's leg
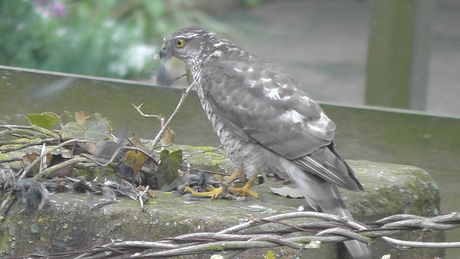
215, 193
245, 190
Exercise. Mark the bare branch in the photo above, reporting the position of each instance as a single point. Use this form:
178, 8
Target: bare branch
24, 144
231, 243
138, 109
49, 170
179, 105
47, 152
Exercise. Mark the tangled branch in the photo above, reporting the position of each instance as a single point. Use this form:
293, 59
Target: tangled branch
326, 228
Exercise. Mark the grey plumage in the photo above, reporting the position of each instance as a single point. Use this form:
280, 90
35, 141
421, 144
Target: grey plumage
265, 120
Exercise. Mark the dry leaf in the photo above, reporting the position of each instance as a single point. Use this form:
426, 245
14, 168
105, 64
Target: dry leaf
168, 137
137, 143
151, 194
135, 160
80, 118
286, 191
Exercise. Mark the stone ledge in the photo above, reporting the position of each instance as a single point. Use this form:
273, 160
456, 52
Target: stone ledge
67, 224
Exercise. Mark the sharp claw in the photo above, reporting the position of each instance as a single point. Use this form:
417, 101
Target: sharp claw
215, 193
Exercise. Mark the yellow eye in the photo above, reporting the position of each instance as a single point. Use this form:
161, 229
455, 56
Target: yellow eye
180, 43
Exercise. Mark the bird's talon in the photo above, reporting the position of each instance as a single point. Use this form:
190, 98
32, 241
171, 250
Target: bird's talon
212, 192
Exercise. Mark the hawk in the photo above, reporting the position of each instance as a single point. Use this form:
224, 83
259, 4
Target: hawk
265, 120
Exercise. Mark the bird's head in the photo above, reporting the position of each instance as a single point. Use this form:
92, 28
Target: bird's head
191, 45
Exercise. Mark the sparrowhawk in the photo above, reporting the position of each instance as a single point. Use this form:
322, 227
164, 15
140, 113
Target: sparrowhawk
265, 120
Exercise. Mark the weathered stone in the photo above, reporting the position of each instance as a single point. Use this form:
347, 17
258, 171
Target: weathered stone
67, 224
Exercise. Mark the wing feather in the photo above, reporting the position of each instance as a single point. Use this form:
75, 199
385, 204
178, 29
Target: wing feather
259, 102
266, 104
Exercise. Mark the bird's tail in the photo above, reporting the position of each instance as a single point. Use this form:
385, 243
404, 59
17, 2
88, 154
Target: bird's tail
329, 200
324, 196
357, 249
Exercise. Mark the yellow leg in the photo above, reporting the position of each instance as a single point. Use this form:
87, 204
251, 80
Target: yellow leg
235, 174
245, 190
215, 193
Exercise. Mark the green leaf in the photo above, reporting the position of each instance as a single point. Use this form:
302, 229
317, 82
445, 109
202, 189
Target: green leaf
97, 128
42, 120
168, 167
73, 130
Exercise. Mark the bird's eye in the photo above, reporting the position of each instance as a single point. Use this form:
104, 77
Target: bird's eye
180, 43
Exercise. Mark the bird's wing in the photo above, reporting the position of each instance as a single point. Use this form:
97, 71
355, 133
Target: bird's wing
264, 102
259, 102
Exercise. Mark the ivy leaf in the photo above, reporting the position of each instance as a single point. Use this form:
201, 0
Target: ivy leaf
43, 120
135, 160
73, 130
97, 128
167, 169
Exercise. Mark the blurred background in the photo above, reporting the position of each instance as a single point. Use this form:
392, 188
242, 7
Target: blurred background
322, 44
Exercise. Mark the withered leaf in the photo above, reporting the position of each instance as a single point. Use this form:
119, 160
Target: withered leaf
102, 148
30, 157
289, 192
137, 143
61, 172
135, 160
80, 117
168, 137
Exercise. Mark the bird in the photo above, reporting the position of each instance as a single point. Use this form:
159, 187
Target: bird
266, 120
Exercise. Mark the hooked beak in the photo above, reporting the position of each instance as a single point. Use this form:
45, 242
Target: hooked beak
166, 51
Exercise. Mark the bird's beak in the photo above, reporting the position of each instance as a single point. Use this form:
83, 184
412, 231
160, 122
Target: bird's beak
166, 51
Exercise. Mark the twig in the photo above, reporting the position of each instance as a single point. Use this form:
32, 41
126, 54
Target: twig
49, 170
31, 130
162, 130
47, 152
25, 144
160, 117
416, 244
138, 109
232, 243
202, 170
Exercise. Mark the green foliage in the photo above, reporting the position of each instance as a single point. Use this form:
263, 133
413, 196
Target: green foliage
96, 128
112, 38
167, 172
43, 120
